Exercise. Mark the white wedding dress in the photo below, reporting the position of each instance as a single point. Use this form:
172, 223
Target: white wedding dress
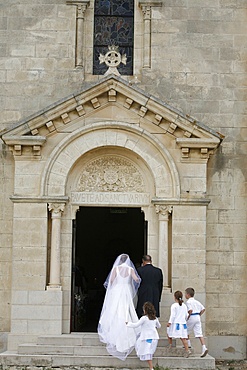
118, 308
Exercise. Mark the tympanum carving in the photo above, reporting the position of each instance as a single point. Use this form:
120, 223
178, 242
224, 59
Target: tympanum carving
111, 174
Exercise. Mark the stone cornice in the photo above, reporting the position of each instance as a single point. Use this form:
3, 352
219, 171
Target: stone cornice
205, 146
181, 201
198, 143
44, 199
151, 3
155, 201
24, 140
17, 142
188, 133
107, 85
78, 2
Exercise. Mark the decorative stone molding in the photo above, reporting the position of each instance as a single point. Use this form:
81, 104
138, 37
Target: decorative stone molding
188, 133
163, 211
65, 118
44, 199
80, 12
202, 148
18, 143
142, 111
128, 103
56, 209
80, 110
112, 95
146, 7
95, 103
110, 134
111, 174
50, 126
182, 201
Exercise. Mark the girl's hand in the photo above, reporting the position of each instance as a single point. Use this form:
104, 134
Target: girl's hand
168, 324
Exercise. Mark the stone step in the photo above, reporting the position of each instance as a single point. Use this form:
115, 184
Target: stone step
85, 350
69, 339
33, 349
19, 361
89, 339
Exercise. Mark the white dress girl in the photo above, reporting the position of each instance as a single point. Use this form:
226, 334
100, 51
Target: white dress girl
178, 321
148, 339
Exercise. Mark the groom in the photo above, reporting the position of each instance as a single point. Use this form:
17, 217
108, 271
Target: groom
151, 285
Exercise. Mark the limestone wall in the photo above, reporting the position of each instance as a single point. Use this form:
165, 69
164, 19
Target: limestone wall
198, 55
199, 65
6, 216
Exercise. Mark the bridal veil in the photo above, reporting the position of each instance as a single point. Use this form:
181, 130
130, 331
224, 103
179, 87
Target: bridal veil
118, 308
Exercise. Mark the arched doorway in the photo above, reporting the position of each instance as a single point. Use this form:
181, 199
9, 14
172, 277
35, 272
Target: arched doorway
100, 235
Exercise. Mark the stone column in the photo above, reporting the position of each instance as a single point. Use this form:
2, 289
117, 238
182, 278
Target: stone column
56, 213
163, 212
146, 10
81, 6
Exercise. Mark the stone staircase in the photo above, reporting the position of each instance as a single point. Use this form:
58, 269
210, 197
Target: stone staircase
84, 350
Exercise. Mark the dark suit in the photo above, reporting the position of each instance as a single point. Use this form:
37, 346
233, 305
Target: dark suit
150, 289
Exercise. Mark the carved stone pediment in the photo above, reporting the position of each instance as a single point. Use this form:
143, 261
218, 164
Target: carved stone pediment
113, 98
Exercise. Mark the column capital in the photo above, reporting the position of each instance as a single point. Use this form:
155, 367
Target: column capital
81, 10
146, 10
163, 211
81, 6
56, 209
146, 7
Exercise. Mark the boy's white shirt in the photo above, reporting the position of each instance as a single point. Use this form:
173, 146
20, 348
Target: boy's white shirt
194, 305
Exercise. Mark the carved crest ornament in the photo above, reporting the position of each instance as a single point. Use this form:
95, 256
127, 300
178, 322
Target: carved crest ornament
110, 174
113, 59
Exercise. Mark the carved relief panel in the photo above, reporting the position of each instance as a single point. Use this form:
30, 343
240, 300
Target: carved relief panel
111, 174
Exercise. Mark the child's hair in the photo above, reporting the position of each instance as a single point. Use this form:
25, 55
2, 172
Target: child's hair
190, 291
179, 295
149, 310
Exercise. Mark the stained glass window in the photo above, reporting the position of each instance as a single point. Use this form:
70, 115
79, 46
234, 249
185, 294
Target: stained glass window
113, 25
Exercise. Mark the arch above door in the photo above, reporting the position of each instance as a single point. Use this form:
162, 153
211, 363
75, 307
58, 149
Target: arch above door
119, 136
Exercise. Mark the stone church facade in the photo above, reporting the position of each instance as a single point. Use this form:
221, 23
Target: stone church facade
93, 165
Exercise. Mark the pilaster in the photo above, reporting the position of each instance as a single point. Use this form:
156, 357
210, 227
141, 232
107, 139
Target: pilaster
146, 7
81, 6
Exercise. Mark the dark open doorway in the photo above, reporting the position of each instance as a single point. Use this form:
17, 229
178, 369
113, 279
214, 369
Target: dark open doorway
100, 234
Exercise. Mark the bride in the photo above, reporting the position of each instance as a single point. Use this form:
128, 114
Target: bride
118, 308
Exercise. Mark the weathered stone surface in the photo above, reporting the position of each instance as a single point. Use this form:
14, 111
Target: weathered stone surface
198, 66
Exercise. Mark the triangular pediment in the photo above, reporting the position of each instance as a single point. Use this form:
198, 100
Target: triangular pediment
112, 98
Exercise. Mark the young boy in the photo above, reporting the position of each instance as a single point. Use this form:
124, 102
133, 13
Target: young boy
195, 310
